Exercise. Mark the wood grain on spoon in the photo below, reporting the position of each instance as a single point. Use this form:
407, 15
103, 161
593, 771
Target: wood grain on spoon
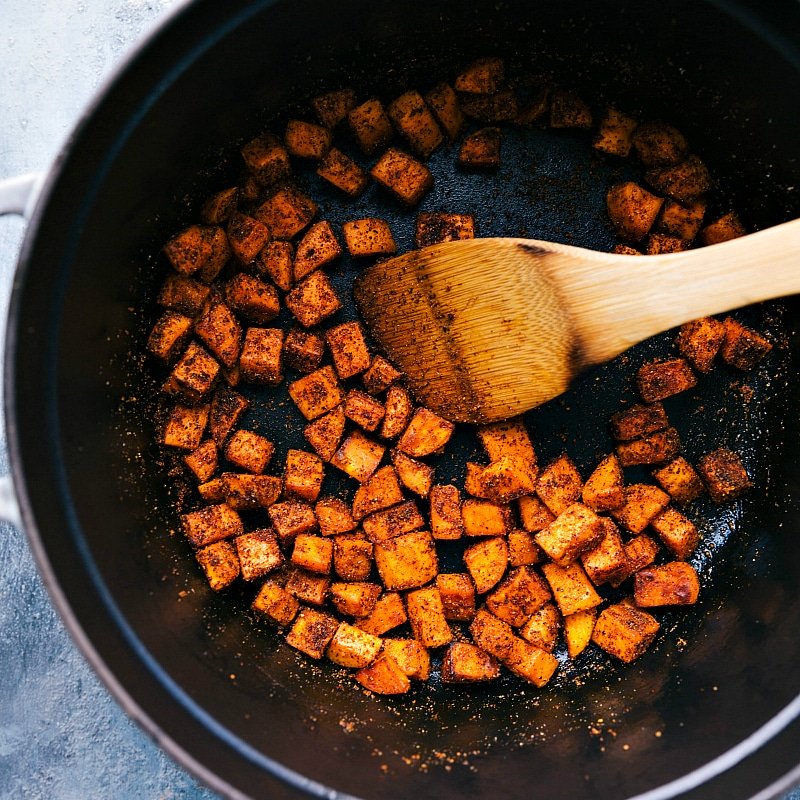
485, 329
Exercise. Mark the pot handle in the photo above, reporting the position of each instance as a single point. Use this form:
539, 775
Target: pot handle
17, 196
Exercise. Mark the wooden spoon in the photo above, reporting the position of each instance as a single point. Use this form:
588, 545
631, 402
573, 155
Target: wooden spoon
485, 329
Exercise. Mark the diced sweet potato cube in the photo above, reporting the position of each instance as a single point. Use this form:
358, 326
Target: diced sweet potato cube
276, 260
219, 206
384, 676
319, 246
522, 549
658, 380
358, 456
727, 227
416, 124
427, 618
672, 584
574, 531
249, 451
410, 656
202, 461
220, 254
632, 210
664, 243
492, 634
331, 107
276, 603
416, 476
212, 491
502, 106
195, 373
639, 420
542, 627
368, 237
348, 349
185, 426
352, 557
683, 182
457, 592
607, 559
466, 663
724, 475
341, 171
678, 533
246, 492
682, 220
246, 236
531, 663
567, 110
485, 518
603, 489
182, 294
211, 524
501, 481
380, 375
443, 102
312, 631
406, 561
481, 149
352, 647
325, 433
445, 512
382, 490
371, 126
253, 299
699, 342
486, 561
533, 513
578, 629
316, 393
258, 553
427, 433
291, 518
220, 564
220, 331
355, 599
440, 226
188, 250
559, 484
519, 594
261, 359
267, 158
643, 503
680, 480
398, 409
303, 476
307, 139
286, 213
388, 613
655, 448
659, 145
624, 631
572, 589
333, 516
483, 76
308, 587
303, 350
614, 133
405, 177
169, 335
390, 522
641, 551
625, 250
313, 299
743, 347
510, 439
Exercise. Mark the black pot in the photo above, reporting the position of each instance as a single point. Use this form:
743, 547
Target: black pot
716, 718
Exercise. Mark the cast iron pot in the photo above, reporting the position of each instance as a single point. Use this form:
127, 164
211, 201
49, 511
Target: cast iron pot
714, 717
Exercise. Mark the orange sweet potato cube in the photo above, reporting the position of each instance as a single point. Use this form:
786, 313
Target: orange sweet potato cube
501, 481
415, 475
639, 420
185, 426
355, 599
169, 335
384, 676
485, 518
258, 553
246, 236
312, 631
183, 295
220, 331
442, 100
492, 634
467, 663
352, 647
567, 110
194, 374
632, 210
274, 602
325, 433
660, 379
307, 139
484, 75
189, 250
303, 350
571, 587
533, 513
313, 299
247, 492
614, 133
303, 476
659, 145
398, 409
348, 349
319, 246
724, 475
531, 663
603, 489
371, 126
358, 456
267, 159
578, 629
405, 177
682, 220
316, 393
252, 298
313, 553
458, 595
427, 618
607, 559
415, 123
574, 531
501, 106
331, 107
291, 518
381, 490
221, 251
699, 342
369, 236
203, 460
407, 561
211, 524
655, 448
390, 522
643, 503
425, 434
276, 261
440, 226
445, 512
352, 557
308, 587
559, 484
261, 359
380, 375
410, 656
522, 549
672, 584
518, 596
727, 227
624, 631
249, 451
679, 534
510, 439
680, 480
486, 562
683, 182
333, 516
743, 347
287, 212
640, 551
341, 171
542, 627
388, 613
481, 149
220, 564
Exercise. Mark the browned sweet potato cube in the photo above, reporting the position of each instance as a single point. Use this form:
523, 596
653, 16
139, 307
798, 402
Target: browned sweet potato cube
445, 512
405, 177
672, 584
249, 451
258, 553
743, 347
303, 476
292, 518
724, 475
467, 663
727, 227
639, 420
368, 237
458, 595
371, 126
213, 490
531, 663
578, 629
384, 676
220, 564
655, 448
341, 171
355, 599
502, 106
509, 439
331, 107
441, 226
519, 594
567, 110
194, 374
308, 587
604, 488
682, 220
416, 476
607, 559
303, 350
699, 342
348, 349
185, 426
267, 158
352, 557
253, 299
427, 433
246, 236
664, 243
406, 561
680, 480
481, 149
220, 331
443, 102
245, 491
559, 484
572, 532
659, 145
427, 618
624, 631
683, 182
398, 409
381, 490
522, 549
276, 603
169, 335
641, 551
643, 503
307, 139
312, 631
571, 587
542, 627
485, 518
624, 250
533, 513
319, 246
189, 250
632, 210
358, 456
211, 524
276, 260
486, 561
202, 461
416, 124
286, 213
501, 481
333, 516
492, 634
219, 206
614, 134
313, 553
390, 522
388, 613
261, 359
380, 375
352, 647
658, 380
483, 76
220, 254
316, 393
678, 533
325, 433
184, 295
